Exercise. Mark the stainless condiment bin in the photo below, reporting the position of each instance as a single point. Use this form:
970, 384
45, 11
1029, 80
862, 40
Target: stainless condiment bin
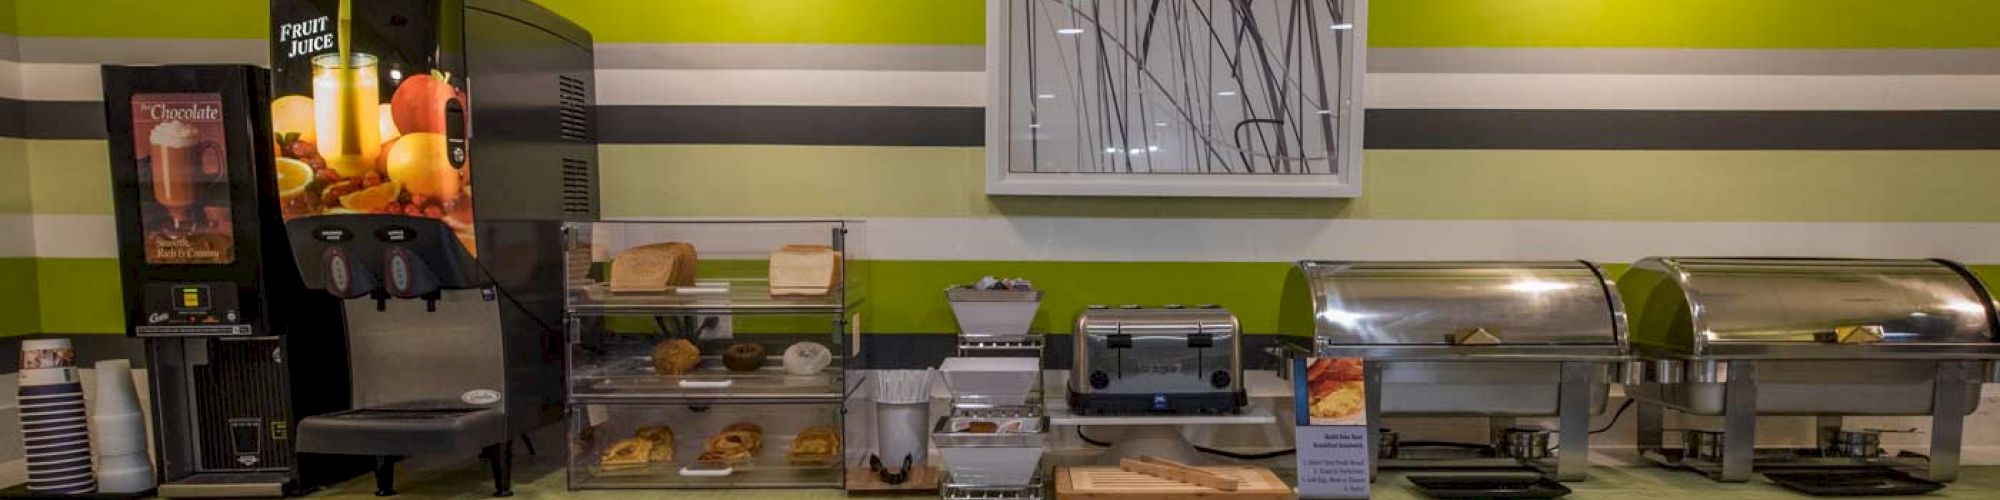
1492, 339
1741, 337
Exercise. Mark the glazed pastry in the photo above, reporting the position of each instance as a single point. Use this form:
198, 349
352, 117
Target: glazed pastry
743, 357
807, 358
675, 357
814, 446
662, 439
982, 427
626, 453
736, 443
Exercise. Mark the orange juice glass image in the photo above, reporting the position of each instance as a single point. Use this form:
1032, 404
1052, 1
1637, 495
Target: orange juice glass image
347, 102
177, 163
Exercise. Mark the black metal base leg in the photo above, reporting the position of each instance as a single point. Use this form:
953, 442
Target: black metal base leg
529, 444
502, 457
385, 476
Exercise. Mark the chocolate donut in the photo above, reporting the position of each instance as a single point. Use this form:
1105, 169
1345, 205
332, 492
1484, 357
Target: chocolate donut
743, 357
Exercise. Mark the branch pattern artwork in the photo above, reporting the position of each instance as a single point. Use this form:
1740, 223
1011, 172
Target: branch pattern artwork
1215, 87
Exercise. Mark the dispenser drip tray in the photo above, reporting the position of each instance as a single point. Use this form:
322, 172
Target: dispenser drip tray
1847, 482
404, 429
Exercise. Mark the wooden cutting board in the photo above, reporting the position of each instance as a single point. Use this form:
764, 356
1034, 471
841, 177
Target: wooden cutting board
1110, 483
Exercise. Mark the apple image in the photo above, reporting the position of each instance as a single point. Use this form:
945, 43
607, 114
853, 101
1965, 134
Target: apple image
419, 102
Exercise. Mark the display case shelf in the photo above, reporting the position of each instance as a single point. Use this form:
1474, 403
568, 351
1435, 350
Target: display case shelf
743, 296
712, 383
615, 388
597, 428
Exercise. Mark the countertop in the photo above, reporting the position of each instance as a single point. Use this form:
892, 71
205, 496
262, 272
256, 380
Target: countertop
542, 477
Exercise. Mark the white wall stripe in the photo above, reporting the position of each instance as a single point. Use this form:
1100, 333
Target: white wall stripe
76, 236
17, 235
1690, 92
80, 82
790, 88
60, 82
1386, 90
1278, 240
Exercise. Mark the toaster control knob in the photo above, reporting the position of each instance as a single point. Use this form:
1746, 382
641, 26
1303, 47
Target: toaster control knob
1175, 306
1129, 306
1096, 307
1208, 306
1219, 379
1099, 380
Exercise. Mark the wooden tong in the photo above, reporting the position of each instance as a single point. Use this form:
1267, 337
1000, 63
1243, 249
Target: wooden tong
1176, 471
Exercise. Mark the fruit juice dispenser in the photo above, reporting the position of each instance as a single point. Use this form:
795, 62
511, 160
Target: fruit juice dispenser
451, 306
210, 285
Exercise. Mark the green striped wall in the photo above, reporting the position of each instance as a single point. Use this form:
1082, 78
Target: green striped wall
68, 176
1394, 23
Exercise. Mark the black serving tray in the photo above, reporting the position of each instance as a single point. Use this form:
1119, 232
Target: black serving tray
1489, 486
1853, 482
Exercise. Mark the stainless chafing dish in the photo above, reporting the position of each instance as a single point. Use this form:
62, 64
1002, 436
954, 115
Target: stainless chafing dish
1492, 339
1829, 338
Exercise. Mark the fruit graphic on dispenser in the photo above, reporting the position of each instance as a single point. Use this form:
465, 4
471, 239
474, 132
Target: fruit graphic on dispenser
388, 126
418, 162
373, 199
293, 114
420, 101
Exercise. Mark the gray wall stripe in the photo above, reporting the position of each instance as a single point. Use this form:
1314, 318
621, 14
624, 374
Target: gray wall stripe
791, 56
63, 119
13, 122
1694, 130
805, 125
88, 50
1688, 61
1387, 128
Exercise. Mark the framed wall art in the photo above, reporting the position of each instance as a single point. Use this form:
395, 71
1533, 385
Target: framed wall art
1216, 98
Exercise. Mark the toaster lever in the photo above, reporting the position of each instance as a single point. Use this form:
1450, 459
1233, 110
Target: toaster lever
1118, 341
1201, 340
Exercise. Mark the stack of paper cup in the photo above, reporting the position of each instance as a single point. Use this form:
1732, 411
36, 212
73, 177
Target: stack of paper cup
122, 463
54, 430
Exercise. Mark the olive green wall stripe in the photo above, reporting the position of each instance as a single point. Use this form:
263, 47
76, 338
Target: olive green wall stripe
81, 295
20, 304
702, 180
15, 197
1750, 24
69, 176
779, 21
145, 18
1756, 24
902, 296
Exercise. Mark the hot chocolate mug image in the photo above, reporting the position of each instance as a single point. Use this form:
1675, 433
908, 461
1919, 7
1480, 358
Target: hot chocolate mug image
179, 159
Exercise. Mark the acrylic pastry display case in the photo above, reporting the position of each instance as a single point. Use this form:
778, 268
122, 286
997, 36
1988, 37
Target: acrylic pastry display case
707, 328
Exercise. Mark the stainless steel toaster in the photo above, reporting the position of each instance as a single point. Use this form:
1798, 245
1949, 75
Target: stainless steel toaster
1169, 359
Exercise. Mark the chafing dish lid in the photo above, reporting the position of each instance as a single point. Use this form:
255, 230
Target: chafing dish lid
1768, 307
1559, 303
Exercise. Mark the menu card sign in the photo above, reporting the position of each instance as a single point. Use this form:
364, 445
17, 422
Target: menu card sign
1331, 404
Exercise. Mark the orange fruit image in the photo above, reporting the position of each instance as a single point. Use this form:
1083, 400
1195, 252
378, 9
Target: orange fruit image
389, 130
293, 114
373, 199
418, 162
293, 176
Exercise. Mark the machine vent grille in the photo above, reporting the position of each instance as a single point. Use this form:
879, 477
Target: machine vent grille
576, 186
574, 97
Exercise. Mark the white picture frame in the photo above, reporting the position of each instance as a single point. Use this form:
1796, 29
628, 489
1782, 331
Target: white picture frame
1006, 177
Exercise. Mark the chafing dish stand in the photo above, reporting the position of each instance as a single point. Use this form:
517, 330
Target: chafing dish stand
1743, 338
1469, 339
